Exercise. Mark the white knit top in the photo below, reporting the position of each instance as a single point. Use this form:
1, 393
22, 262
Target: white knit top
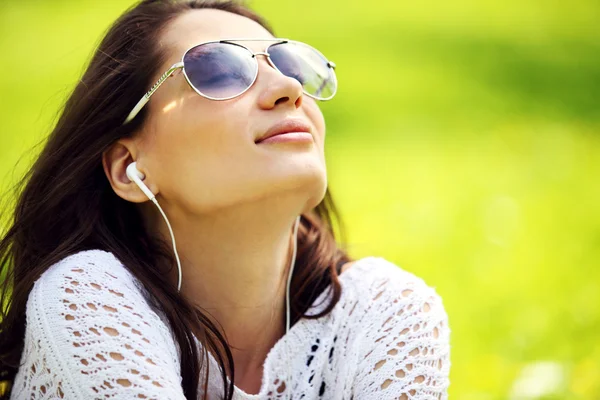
92, 333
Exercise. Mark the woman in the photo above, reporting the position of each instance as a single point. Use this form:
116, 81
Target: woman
254, 299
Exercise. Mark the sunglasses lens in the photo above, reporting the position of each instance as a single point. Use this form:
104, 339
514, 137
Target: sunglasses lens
220, 70
304, 63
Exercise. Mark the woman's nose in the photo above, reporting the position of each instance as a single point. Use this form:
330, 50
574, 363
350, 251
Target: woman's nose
276, 88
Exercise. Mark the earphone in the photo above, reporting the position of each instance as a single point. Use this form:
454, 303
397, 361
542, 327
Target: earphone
136, 176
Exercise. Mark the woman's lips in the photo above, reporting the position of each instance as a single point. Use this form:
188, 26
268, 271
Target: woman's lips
288, 137
285, 126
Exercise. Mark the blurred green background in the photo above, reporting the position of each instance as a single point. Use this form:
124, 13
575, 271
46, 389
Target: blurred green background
463, 145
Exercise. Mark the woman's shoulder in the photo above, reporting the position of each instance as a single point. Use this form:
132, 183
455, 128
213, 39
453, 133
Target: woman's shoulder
93, 273
87, 318
372, 273
89, 283
93, 287
381, 289
86, 264
402, 330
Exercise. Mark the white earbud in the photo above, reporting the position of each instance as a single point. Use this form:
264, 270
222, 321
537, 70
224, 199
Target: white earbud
136, 176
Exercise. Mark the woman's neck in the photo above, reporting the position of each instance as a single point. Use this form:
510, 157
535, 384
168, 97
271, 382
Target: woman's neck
235, 266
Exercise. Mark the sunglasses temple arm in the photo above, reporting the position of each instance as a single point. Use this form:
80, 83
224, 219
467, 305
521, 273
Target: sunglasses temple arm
150, 92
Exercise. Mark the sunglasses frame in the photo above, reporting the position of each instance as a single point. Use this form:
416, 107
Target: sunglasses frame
180, 65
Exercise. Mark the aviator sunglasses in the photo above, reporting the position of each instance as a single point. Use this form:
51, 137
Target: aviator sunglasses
222, 70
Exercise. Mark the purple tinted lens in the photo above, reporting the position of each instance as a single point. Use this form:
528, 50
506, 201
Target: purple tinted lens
305, 64
220, 70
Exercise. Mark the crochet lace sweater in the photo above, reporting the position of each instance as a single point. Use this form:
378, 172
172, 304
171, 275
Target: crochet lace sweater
92, 332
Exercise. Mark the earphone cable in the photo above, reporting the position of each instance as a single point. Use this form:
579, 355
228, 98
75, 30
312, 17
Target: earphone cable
293, 262
287, 297
173, 239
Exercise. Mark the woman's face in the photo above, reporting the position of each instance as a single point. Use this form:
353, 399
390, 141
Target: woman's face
201, 154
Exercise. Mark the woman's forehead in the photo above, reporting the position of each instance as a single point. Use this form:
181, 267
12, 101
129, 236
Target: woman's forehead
204, 25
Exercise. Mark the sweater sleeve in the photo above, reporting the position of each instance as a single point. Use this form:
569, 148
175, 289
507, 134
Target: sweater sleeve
90, 333
405, 351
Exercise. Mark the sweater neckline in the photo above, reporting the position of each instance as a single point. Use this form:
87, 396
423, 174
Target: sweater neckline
300, 329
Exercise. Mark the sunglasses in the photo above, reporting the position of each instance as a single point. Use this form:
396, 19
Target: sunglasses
222, 70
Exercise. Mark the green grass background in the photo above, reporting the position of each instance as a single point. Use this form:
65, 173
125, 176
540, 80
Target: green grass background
463, 145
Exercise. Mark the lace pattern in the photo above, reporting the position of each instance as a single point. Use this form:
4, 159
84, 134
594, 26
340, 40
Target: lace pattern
92, 333
405, 346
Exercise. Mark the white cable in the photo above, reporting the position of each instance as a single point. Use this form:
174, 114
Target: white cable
173, 239
293, 262
287, 297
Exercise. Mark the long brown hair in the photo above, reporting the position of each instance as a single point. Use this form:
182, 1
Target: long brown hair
65, 204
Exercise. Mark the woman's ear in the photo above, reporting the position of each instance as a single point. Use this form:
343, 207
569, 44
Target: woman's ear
115, 160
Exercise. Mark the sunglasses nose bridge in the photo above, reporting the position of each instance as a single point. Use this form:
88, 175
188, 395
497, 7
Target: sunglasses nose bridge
267, 55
